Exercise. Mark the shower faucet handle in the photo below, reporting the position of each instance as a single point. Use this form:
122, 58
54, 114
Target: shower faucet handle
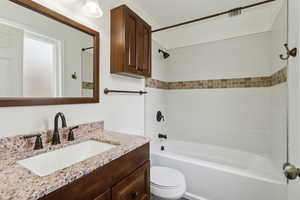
159, 116
162, 136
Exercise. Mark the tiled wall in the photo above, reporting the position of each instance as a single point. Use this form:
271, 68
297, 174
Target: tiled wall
249, 82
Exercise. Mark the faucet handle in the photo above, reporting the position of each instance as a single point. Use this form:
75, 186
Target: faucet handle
162, 136
38, 142
71, 133
160, 116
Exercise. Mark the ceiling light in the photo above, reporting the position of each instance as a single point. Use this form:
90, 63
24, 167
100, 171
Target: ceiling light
92, 9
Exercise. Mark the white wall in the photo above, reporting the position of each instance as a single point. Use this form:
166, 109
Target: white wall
155, 102
246, 56
159, 64
251, 21
278, 128
294, 88
279, 93
123, 113
234, 118
279, 38
155, 99
238, 118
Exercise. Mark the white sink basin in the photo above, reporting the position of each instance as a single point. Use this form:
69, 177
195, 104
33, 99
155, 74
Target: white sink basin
50, 162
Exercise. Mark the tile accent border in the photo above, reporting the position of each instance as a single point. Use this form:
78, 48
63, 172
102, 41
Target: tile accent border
279, 77
152, 83
88, 85
249, 82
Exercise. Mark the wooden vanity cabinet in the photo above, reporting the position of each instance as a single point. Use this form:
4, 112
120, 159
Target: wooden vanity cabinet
134, 187
126, 178
104, 196
130, 43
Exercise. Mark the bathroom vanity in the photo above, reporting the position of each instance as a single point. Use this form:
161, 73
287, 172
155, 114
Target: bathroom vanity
124, 178
119, 169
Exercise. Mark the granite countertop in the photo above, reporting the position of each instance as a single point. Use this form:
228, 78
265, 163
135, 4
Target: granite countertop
18, 183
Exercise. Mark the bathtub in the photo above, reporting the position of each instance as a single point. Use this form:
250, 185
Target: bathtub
219, 173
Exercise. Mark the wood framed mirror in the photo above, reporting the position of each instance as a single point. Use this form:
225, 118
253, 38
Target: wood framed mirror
45, 57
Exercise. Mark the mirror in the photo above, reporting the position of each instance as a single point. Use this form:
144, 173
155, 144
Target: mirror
45, 58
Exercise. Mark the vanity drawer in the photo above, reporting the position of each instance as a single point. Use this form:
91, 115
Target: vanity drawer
135, 186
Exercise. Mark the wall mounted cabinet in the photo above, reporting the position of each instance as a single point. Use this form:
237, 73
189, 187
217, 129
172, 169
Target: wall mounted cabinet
130, 43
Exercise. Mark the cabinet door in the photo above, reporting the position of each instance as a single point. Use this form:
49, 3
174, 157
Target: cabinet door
105, 196
134, 187
131, 42
143, 48
140, 46
146, 65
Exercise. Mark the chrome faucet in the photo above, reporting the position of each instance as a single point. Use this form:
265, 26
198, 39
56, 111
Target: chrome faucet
56, 138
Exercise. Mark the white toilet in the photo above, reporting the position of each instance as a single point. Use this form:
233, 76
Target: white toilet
167, 183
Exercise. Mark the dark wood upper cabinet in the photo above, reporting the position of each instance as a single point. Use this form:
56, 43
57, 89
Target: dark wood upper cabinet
130, 43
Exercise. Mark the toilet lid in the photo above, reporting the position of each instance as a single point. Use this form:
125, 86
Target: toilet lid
166, 177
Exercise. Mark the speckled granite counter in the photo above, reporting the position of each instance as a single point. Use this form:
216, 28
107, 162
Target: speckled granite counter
18, 183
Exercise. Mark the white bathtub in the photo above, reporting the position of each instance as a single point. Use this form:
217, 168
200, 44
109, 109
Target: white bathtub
218, 173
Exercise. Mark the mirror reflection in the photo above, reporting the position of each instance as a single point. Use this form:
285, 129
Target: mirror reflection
41, 57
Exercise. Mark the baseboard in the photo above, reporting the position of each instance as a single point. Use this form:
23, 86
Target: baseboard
190, 196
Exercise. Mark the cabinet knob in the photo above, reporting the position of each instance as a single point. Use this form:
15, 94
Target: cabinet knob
134, 195
140, 69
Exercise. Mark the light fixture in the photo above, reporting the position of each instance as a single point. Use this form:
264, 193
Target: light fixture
92, 9
68, 1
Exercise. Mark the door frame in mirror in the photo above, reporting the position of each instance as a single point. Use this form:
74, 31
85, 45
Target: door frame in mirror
27, 101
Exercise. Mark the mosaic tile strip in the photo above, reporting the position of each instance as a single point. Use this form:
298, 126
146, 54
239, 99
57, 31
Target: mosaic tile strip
222, 83
88, 85
250, 82
279, 77
152, 83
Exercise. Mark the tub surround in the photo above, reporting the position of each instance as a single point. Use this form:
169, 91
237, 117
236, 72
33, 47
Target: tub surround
249, 82
22, 184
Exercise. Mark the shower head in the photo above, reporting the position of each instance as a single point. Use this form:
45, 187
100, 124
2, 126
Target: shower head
165, 54
235, 12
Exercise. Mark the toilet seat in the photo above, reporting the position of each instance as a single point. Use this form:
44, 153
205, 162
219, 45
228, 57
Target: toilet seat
167, 183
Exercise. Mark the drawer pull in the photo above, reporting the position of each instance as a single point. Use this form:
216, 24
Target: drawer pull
134, 195
140, 69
